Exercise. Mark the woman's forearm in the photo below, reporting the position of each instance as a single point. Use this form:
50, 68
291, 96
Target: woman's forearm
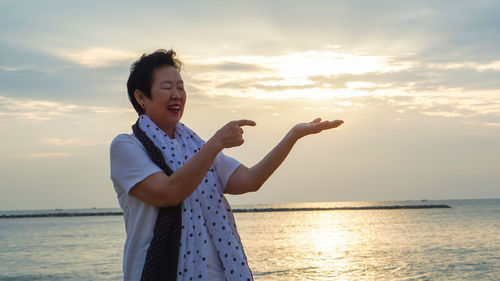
261, 171
161, 190
251, 179
187, 178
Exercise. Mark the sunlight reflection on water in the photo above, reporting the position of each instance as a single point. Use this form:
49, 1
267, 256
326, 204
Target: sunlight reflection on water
367, 245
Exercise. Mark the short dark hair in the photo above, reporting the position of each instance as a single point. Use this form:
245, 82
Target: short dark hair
141, 73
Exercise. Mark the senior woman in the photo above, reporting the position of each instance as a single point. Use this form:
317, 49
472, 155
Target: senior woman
171, 184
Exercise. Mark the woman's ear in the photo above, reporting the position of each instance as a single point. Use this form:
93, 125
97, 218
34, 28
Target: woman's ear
139, 97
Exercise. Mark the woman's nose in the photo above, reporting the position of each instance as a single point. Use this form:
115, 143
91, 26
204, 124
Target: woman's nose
176, 94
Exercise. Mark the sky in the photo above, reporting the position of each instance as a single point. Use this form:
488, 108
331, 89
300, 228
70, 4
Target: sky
416, 83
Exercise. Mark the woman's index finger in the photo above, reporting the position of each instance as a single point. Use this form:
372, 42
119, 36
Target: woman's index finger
245, 122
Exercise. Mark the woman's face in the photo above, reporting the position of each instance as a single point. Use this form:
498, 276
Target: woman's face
168, 97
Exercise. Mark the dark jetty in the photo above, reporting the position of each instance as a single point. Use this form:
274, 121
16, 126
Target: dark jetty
252, 210
261, 210
49, 215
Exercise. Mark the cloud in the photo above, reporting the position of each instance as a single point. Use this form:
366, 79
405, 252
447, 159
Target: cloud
288, 75
421, 48
111, 110
99, 56
8, 68
297, 75
26, 72
34, 110
423, 77
476, 105
221, 66
441, 113
44, 110
490, 66
282, 77
323, 61
494, 65
46, 155
492, 124
69, 141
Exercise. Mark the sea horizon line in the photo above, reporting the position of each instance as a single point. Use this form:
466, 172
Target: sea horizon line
244, 210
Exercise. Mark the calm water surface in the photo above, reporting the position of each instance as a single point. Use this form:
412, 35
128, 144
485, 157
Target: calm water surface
461, 243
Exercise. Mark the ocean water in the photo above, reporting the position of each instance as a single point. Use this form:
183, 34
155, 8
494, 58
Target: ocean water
458, 243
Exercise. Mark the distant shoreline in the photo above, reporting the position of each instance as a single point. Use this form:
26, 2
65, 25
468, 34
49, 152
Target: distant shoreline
248, 210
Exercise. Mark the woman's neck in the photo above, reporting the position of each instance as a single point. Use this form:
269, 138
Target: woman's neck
169, 131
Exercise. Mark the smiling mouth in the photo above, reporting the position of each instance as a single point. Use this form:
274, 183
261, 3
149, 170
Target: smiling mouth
174, 108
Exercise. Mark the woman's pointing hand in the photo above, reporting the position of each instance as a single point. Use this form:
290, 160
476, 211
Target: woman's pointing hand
231, 134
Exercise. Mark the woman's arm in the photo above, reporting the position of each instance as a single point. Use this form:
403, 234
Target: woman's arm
162, 190
245, 179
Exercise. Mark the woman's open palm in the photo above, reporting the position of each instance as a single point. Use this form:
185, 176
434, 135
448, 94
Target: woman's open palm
315, 126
